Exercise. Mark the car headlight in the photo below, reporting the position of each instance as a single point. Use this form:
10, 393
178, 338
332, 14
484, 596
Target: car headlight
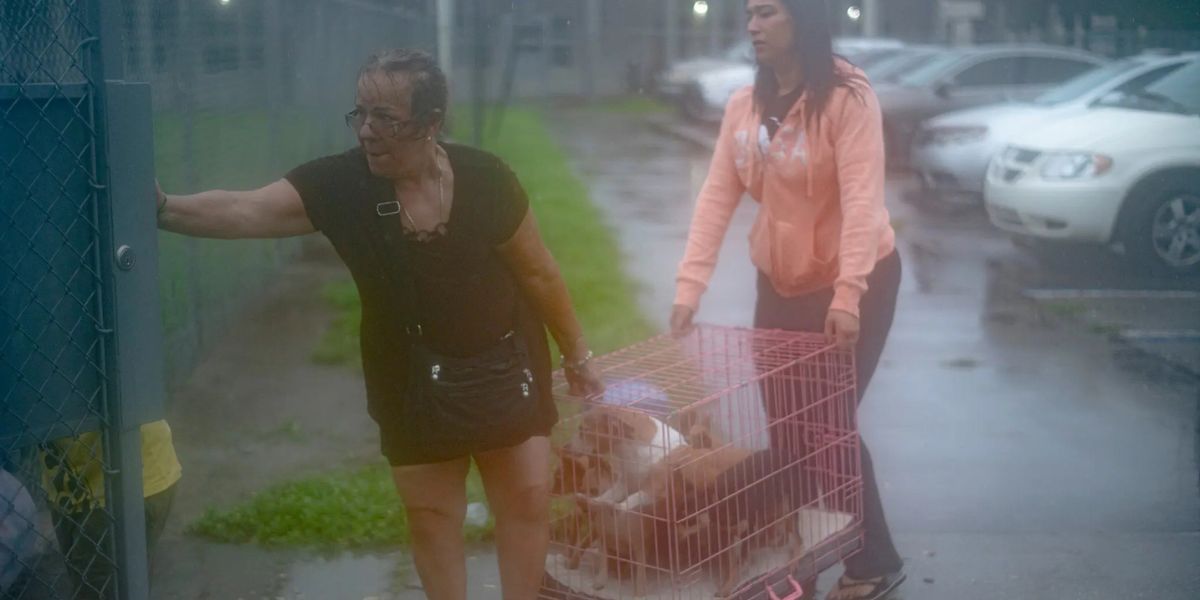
1064, 166
947, 135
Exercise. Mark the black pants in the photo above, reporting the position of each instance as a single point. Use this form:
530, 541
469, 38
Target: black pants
876, 310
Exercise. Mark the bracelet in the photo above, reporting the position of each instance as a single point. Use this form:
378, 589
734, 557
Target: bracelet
578, 365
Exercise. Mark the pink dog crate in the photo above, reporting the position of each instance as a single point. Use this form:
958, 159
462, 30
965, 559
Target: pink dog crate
722, 464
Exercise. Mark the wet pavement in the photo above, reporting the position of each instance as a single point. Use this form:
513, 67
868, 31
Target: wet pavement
1022, 453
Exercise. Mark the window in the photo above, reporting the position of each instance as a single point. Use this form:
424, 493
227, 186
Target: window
1086, 83
1141, 81
562, 48
1041, 70
1180, 89
992, 72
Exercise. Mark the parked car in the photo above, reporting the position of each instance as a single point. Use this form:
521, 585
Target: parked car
672, 82
970, 77
1125, 173
865, 52
901, 62
704, 98
951, 152
860, 50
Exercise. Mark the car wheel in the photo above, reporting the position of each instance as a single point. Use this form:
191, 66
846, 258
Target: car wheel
1165, 235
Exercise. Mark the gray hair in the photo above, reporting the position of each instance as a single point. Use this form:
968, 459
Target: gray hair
428, 82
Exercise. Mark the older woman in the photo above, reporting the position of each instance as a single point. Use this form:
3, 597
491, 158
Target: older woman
457, 290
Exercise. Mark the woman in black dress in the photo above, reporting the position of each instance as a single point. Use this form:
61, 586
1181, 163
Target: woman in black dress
448, 263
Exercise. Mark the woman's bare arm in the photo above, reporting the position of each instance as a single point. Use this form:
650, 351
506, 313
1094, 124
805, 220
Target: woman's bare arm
273, 211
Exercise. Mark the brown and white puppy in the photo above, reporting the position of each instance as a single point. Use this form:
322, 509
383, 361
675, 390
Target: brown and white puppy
694, 467
634, 444
578, 475
642, 536
755, 499
628, 542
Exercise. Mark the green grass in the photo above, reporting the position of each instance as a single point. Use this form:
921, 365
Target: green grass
339, 345
633, 105
1065, 309
573, 229
1105, 329
343, 510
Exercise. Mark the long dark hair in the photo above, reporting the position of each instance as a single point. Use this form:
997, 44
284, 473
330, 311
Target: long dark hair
813, 36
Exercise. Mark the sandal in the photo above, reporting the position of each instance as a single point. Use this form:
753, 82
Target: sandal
872, 588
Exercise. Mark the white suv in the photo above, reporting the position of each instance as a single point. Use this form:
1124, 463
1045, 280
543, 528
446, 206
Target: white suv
1124, 172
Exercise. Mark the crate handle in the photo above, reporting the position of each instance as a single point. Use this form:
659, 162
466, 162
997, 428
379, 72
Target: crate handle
796, 594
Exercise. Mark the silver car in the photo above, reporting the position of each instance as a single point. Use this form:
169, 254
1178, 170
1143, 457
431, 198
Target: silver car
951, 152
901, 62
672, 82
969, 77
704, 97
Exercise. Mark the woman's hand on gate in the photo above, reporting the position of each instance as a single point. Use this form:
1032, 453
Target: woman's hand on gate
160, 199
584, 382
843, 327
681, 320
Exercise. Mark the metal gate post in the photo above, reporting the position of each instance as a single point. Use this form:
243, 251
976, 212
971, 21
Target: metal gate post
129, 266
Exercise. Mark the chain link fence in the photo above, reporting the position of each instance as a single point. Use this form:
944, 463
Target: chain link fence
57, 535
242, 91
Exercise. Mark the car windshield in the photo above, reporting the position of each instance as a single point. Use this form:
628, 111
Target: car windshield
1077, 87
931, 71
1177, 93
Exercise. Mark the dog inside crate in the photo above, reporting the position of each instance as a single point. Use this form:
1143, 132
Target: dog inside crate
651, 505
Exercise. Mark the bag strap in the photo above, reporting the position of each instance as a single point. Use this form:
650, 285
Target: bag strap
379, 240
385, 251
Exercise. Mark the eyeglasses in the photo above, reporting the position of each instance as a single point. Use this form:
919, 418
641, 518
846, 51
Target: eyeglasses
381, 123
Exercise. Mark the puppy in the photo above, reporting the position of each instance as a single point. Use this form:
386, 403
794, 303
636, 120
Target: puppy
578, 473
629, 541
634, 444
755, 498
580, 476
695, 467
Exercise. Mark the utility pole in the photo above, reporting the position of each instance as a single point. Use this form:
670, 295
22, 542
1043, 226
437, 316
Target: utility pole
671, 33
445, 36
872, 18
716, 27
592, 24
478, 76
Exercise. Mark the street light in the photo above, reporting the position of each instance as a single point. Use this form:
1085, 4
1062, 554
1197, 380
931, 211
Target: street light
700, 7
854, 12
224, 2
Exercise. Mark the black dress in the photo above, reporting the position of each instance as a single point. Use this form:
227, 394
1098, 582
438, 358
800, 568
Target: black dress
466, 297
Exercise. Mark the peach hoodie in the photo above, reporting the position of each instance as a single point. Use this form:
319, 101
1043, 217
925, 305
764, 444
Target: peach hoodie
821, 217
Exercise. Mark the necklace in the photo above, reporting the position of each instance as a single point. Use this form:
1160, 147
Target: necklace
441, 200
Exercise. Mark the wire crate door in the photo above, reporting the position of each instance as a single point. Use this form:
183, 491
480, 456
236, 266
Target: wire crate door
716, 465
